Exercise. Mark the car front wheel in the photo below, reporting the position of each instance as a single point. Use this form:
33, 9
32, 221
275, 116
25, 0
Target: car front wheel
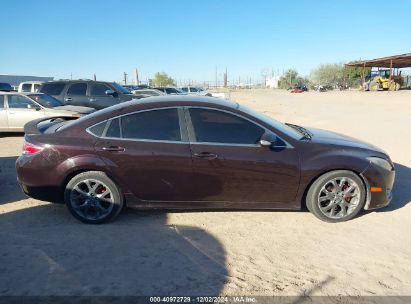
93, 198
336, 196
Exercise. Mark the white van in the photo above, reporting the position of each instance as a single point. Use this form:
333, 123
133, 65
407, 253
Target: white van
30, 86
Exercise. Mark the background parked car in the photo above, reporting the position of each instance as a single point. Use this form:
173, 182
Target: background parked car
150, 92
189, 89
17, 109
5, 87
30, 86
170, 90
88, 93
136, 87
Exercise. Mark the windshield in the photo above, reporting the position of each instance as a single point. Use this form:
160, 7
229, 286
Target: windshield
120, 88
45, 100
293, 133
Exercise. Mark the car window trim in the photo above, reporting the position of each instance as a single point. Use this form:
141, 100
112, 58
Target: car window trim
193, 139
181, 121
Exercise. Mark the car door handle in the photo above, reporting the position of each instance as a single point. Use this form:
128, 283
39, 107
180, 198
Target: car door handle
92, 99
206, 155
113, 149
68, 99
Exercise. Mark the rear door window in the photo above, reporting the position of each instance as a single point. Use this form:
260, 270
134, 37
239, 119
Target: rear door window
98, 129
53, 88
19, 102
152, 125
114, 129
1, 101
78, 89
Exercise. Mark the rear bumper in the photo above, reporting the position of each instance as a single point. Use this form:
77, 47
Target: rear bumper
35, 182
48, 194
377, 177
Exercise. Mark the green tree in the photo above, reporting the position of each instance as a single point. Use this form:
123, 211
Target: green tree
291, 78
288, 79
353, 75
328, 75
161, 79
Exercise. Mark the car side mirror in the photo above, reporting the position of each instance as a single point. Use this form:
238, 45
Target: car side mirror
268, 139
110, 92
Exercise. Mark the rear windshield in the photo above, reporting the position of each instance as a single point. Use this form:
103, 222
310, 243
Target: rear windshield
45, 100
52, 88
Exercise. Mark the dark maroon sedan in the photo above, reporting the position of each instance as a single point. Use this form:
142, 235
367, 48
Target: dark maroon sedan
195, 153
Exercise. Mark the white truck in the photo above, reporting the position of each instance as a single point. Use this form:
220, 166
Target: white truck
30, 86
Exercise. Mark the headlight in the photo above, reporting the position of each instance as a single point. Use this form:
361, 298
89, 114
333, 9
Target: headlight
380, 162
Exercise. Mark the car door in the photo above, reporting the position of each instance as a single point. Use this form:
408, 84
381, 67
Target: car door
76, 94
98, 98
3, 114
148, 151
21, 110
229, 164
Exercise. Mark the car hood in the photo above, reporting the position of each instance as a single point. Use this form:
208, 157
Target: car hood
76, 109
328, 137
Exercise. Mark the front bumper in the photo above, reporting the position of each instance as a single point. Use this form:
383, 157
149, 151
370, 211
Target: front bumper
377, 177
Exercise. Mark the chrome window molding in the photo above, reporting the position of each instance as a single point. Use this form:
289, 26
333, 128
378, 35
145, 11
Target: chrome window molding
189, 126
109, 121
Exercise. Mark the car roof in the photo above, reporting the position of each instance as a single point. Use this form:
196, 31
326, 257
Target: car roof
76, 80
180, 99
32, 82
158, 102
20, 93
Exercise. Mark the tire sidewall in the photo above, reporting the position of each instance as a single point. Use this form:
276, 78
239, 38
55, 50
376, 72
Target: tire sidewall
312, 195
99, 176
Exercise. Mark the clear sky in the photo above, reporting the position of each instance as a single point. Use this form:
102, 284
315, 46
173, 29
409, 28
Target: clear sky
189, 39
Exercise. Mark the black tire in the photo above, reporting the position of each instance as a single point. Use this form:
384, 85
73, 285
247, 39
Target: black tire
113, 202
313, 196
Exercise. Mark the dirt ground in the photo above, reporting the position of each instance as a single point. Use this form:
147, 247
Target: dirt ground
45, 251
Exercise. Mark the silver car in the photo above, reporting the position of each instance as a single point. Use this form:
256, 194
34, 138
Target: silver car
16, 109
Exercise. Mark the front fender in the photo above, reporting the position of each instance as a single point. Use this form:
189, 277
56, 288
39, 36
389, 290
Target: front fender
316, 164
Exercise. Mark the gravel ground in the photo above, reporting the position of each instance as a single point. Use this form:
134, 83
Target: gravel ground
44, 251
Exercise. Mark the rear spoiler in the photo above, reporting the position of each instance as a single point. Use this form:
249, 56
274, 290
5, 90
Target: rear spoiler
38, 126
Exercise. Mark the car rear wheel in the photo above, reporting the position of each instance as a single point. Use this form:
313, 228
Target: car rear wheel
336, 196
93, 198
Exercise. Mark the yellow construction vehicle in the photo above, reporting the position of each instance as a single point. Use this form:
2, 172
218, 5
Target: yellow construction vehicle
381, 80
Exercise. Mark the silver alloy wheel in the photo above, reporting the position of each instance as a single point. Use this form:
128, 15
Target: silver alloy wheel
339, 197
91, 199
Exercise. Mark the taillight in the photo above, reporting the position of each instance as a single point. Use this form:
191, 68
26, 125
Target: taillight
29, 148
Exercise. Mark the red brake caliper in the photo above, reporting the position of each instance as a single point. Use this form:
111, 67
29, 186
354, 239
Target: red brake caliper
346, 198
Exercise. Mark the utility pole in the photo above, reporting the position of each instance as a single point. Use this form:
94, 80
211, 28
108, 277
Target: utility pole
216, 81
94, 77
225, 78
125, 78
136, 76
